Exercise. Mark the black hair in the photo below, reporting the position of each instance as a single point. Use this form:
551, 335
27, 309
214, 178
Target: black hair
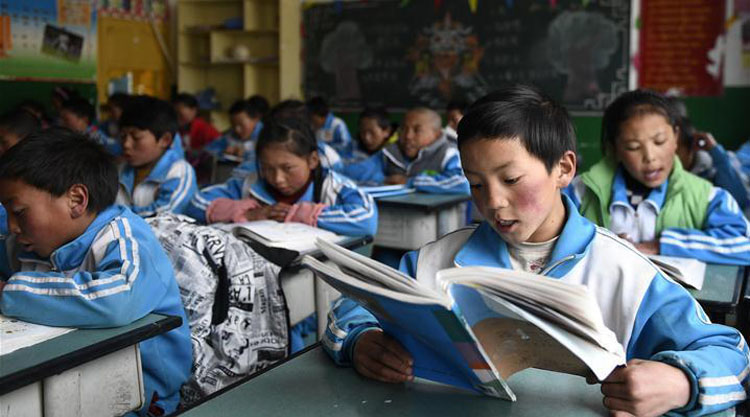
149, 113
629, 104
186, 99
57, 158
298, 138
260, 103
459, 105
244, 106
542, 125
380, 114
81, 108
687, 130
318, 106
118, 100
290, 109
20, 122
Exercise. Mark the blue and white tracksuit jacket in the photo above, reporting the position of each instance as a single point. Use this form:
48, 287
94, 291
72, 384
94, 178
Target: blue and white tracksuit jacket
219, 145
350, 211
168, 188
114, 273
335, 133
723, 169
329, 158
653, 317
724, 239
435, 170
112, 145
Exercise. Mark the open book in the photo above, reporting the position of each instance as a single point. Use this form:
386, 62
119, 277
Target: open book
481, 325
280, 243
16, 334
687, 271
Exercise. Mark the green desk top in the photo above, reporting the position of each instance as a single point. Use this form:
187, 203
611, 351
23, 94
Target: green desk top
423, 201
721, 287
311, 385
57, 355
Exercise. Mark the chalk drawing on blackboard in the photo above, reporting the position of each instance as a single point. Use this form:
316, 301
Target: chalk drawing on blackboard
446, 58
342, 53
579, 44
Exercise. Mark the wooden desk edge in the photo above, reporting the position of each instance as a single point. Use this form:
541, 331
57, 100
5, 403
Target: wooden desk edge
62, 363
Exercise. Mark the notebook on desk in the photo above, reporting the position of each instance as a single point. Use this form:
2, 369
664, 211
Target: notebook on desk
17, 334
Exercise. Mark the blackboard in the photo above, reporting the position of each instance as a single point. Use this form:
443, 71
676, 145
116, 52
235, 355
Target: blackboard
424, 53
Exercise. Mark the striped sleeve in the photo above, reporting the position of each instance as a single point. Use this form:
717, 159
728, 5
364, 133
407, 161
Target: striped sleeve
723, 240
354, 212
114, 294
370, 171
174, 194
450, 180
342, 140
231, 189
729, 175
671, 327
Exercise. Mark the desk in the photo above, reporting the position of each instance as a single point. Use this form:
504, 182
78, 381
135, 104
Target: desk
311, 385
57, 360
412, 220
721, 290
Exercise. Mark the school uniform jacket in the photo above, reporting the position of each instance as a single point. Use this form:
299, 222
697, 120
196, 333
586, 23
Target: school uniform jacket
350, 211
436, 169
218, 146
112, 145
114, 273
335, 133
653, 317
722, 236
168, 187
724, 170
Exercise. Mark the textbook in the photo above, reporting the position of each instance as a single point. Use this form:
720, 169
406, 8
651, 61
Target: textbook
17, 334
280, 243
479, 325
687, 271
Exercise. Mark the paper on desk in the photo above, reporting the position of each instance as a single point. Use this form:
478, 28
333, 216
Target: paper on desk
16, 334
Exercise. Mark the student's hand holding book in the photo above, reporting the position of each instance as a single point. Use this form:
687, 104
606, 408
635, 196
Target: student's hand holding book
379, 356
645, 388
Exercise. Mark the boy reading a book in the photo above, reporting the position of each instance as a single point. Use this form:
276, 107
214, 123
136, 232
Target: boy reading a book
518, 152
81, 261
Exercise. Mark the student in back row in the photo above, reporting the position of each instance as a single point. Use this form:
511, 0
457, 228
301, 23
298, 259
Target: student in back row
80, 261
292, 186
155, 177
195, 132
422, 158
328, 128
77, 114
642, 193
240, 140
518, 151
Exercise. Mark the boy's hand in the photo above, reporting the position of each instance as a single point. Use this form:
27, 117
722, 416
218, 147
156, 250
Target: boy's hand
649, 248
379, 356
395, 179
645, 388
279, 211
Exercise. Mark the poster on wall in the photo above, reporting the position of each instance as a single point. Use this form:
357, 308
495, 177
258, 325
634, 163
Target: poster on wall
48, 39
682, 47
403, 54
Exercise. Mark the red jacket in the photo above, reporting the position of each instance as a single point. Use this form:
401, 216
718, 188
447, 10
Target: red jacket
200, 133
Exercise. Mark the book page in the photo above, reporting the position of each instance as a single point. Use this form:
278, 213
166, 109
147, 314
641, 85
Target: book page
293, 236
687, 271
17, 334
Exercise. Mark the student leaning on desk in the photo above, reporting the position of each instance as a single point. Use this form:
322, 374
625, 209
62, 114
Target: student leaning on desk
80, 261
518, 151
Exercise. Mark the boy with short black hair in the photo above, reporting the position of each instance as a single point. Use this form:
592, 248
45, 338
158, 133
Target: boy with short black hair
328, 128
518, 152
196, 132
15, 126
155, 177
80, 261
245, 118
422, 158
78, 115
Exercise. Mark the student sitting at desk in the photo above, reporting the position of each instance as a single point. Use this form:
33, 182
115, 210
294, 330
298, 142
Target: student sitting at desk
292, 186
518, 151
195, 132
641, 192
375, 132
423, 158
328, 128
77, 114
80, 261
240, 140
155, 176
